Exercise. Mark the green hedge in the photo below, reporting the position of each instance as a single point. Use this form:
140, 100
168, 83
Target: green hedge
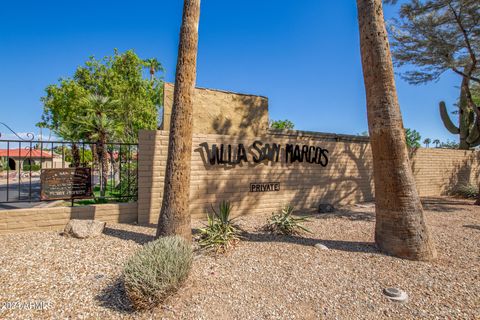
33, 167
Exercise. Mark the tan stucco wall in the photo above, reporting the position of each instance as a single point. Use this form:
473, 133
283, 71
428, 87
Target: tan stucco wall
348, 178
222, 112
44, 219
437, 171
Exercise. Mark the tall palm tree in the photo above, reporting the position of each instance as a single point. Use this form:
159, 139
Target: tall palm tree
175, 215
400, 227
436, 142
427, 142
100, 125
69, 132
153, 65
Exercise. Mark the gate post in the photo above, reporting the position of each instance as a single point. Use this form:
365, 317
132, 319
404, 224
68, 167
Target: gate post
152, 146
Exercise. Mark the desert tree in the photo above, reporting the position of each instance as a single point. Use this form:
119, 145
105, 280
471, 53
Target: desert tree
175, 215
119, 78
413, 138
101, 97
281, 124
400, 227
435, 36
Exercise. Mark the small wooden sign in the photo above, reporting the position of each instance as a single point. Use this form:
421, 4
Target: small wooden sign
66, 183
265, 187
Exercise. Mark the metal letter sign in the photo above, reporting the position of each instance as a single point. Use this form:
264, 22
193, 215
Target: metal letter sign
265, 187
232, 155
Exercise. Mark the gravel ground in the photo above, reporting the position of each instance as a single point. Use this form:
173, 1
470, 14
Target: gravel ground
264, 277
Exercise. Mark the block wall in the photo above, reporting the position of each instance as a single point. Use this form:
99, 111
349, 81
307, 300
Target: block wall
55, 218
346, 179
439, 171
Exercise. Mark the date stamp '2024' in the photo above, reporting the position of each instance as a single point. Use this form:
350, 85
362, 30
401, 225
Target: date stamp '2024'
24, 305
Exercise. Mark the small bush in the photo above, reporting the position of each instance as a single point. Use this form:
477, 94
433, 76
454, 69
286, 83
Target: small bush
33, 167
220, 233
468, 191
284, 223
3, 164
157, 270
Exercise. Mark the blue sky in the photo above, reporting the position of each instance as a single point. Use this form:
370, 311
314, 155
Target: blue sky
303, 55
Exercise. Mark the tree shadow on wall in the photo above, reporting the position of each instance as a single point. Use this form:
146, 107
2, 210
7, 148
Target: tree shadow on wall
464, 173
348, 182
240, 197
221, 125
341, 182
259, 112
253, 110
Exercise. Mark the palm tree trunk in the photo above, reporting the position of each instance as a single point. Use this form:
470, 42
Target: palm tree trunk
400, 227
103, 167
104, 171
175, 215
75, 156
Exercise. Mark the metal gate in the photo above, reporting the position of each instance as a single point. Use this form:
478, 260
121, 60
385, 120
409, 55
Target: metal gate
114, 167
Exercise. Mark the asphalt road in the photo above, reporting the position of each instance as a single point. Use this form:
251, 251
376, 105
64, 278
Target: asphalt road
26, 194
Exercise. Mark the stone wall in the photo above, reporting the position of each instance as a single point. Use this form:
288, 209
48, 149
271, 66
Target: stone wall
55, 218
347, 178
222, 112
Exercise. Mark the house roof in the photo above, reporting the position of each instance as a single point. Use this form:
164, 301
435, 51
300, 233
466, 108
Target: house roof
24, 153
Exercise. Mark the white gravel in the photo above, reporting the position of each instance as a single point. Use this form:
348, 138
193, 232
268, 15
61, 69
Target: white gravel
264, 277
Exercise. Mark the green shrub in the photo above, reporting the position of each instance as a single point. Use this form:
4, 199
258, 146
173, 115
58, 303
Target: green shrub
468, 191
284, 223
33, 167
3, 164
412, 138
220, 233
157, 270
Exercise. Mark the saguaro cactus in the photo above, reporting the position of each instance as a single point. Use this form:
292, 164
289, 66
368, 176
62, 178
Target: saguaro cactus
468, 129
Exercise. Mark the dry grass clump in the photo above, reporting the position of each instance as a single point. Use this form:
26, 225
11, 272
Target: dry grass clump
285, 223
157, 270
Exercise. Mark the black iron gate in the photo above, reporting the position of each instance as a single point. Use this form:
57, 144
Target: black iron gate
114, 171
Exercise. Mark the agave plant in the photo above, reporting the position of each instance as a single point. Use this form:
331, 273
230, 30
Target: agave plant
468, 191
219, 233
285, 223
